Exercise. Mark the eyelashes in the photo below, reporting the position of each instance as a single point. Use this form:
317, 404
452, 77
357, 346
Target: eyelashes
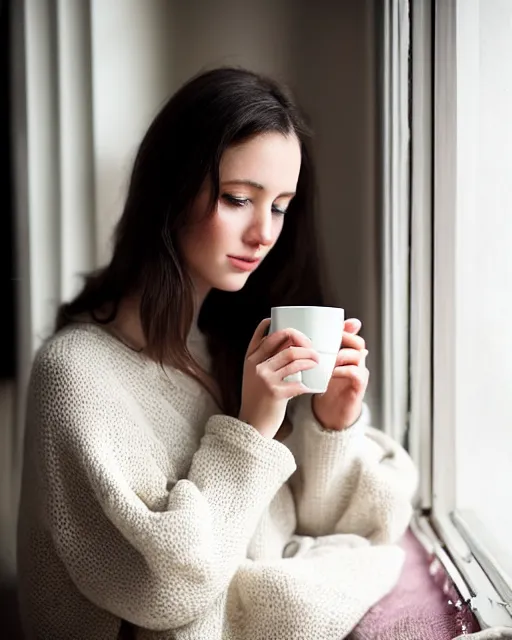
236, 201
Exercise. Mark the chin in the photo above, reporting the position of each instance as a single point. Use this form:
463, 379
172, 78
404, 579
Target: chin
231, 284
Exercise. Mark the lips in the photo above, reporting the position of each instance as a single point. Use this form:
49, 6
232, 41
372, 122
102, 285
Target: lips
245, 258
243, 263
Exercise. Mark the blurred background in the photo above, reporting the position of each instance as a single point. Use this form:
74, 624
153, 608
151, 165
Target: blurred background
81, 81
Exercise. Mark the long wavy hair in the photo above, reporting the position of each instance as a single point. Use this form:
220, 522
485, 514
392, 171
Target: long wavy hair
182, 148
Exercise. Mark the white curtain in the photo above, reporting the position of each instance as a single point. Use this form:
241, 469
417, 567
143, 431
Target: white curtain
53, 147
53, 200
89, 76
420, 419
395, 352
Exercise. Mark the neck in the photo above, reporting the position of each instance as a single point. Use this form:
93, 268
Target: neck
201, 290
200, 293
128, 325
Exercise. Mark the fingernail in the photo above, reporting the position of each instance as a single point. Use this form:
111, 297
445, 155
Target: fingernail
355, 323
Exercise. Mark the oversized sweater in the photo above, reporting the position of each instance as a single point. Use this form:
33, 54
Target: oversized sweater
142, 503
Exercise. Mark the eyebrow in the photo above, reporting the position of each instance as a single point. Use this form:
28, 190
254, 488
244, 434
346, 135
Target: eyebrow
257, 185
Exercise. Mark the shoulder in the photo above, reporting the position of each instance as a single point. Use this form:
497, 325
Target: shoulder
74, 390
77, 359
76, 346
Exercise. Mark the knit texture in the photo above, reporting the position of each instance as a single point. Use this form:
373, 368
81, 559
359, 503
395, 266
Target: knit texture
141, 502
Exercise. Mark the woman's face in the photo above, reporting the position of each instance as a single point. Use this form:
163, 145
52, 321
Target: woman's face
258, 179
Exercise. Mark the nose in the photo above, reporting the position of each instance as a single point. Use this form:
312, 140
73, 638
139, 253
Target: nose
260, 231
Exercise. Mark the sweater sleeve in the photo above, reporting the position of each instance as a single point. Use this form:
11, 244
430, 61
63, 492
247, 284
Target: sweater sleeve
357, 481
159, 569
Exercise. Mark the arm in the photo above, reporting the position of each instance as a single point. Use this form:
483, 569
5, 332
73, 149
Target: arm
357, 480
156, 569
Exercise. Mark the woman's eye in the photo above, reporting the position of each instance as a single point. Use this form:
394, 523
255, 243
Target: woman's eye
235, 201
240, 201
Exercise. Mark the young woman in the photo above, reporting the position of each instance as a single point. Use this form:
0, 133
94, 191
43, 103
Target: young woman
170, 489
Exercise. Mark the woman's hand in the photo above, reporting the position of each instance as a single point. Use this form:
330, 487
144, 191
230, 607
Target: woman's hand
341, 405
268, 360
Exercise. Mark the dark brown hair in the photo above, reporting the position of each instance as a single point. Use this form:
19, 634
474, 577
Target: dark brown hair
181, 149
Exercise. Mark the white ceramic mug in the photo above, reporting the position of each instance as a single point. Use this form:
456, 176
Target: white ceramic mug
324, 327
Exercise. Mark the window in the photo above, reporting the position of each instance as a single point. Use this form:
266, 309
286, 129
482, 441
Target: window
461, 187
484, 276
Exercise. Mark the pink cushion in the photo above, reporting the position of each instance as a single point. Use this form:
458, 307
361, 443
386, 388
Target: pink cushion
423, 606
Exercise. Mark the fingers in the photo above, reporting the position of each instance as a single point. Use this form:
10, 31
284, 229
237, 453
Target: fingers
353, 325
351, 356
258, 336
277, 341
295, 364
351, 341
285, 363
358, 376
262, 348
294, 367
292, 355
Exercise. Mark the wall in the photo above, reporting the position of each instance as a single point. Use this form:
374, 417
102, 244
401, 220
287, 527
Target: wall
132, 71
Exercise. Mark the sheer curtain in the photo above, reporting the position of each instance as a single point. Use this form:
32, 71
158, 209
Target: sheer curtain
87, 77
395, 225
53, 159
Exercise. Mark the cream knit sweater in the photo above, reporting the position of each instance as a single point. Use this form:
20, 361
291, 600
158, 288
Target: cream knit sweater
140, 502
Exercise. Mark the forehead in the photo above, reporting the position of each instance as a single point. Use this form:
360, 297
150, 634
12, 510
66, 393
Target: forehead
270, 159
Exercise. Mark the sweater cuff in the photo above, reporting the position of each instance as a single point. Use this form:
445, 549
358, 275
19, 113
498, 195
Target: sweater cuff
327, 444
271, 455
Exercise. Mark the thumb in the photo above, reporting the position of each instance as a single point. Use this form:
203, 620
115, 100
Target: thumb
353, 325
258, 336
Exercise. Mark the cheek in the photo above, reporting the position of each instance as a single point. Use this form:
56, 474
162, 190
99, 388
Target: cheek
209, 238
204, 228
213, 235
195, 243
224, 228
